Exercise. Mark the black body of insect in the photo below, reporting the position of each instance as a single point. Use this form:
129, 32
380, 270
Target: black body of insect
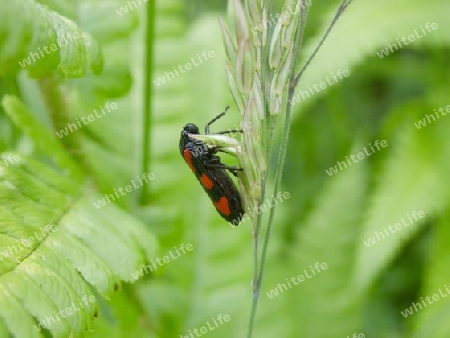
211, 172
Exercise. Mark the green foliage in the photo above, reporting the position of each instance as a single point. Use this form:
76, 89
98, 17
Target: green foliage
94, 251
85, 249
29, 27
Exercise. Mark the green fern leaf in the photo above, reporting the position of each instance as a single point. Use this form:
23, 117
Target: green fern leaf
38, 133
364, 29
412, 179
327, 235
57, 248
430, 321
36, 38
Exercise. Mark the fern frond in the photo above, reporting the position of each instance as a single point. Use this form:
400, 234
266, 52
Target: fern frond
57, 247
36, 38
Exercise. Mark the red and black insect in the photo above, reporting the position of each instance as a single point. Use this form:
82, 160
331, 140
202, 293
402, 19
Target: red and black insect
211, 172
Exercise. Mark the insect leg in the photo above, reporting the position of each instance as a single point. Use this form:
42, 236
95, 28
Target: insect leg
214, 120
230, 131
231, 169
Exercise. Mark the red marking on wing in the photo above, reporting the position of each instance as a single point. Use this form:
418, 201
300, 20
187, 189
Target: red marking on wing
222, 206
206, 182
188, 158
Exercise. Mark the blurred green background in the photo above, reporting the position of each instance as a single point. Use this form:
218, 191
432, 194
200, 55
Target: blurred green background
326, 219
